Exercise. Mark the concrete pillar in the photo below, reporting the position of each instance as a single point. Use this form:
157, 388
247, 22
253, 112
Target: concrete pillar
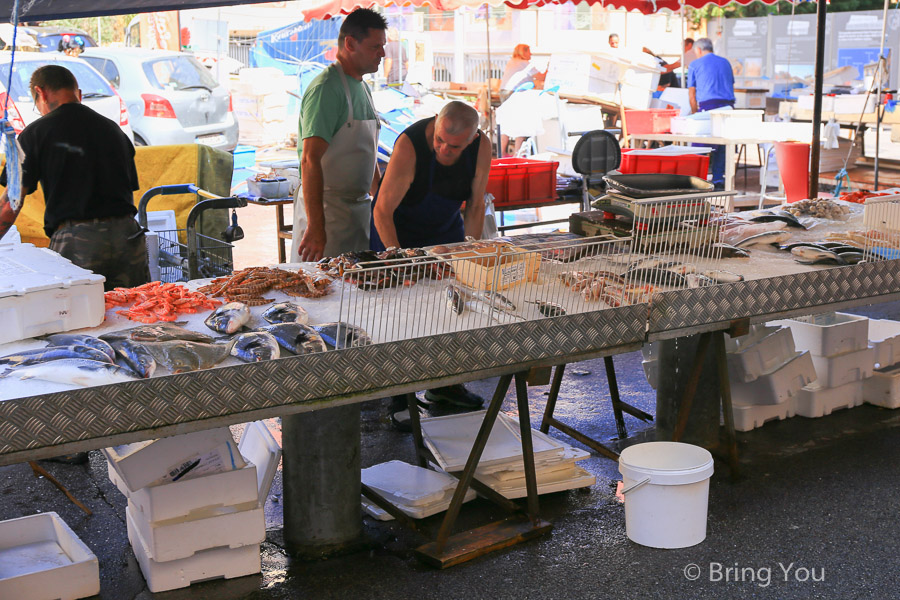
675, 361
321, 473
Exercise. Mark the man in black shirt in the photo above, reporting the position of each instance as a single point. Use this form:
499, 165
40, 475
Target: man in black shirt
85, 165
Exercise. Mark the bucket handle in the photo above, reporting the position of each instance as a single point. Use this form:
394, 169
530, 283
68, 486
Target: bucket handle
635, 486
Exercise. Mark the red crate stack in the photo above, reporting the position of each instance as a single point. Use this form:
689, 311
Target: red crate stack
675, 164
522, 181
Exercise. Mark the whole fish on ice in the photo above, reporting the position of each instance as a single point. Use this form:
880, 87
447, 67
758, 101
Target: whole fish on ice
340, 335
767, 237
80, 339
74, 371
286, 312
548, 309
722, 276
255, 346
813, 256
295, 338
135, 356
157, 332
456, 300
52, 353
228, 318
181, 356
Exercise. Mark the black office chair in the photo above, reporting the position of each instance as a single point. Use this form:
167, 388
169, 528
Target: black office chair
596, 153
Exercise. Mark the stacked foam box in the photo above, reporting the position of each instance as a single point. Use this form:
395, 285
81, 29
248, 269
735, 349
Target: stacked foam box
766, 374
416, 491
450, 440
883, 387
839, 346
195, 503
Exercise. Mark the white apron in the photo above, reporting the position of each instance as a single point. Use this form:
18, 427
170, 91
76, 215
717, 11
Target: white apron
348, 167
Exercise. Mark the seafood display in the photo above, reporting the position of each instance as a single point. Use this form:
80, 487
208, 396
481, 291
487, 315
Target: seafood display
51, 353
295, 338
821, 208
80, 339
182, 356
134, 356
255, 346
340, 335
228, 318
286, 312
249, 285
370, 270
157, 333
157, 301
74, 371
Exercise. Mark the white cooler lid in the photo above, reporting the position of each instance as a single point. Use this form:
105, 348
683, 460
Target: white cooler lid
259, 447
25, 268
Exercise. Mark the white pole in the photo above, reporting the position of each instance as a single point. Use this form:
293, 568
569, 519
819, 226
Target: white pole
100, 35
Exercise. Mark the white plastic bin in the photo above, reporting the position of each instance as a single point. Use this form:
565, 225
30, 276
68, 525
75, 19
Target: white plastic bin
666, 489
735, 124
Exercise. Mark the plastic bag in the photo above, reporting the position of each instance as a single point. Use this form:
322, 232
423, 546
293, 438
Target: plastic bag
489, 230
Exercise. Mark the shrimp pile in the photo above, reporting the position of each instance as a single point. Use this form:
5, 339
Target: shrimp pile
157, 301
249, 285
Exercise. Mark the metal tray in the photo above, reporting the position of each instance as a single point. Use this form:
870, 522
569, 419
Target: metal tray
652, 185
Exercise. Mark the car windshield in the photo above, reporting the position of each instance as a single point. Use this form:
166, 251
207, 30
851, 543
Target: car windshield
178, 73
91, 83
50, 41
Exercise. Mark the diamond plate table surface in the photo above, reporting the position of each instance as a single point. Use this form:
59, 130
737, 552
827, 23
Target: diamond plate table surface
127, 412
677, 313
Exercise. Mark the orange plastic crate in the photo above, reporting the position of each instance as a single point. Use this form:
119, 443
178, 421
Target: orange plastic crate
678, 164
654, 120
522, 181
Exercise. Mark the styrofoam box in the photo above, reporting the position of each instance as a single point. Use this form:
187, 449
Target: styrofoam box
651, 372
688, 126
854, 103
735, 123
180, 538
415, 512
806, 102
758, 331
777, 386
214, 563
750, 99
750, 416
153, 462
12, 237
42, 292
845, 368
765, 356
556, 481
884, 336
259, 447
829, 334
816, 401
883, 388
401, 482
41, 557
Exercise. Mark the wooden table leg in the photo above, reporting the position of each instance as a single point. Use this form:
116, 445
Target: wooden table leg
279, 228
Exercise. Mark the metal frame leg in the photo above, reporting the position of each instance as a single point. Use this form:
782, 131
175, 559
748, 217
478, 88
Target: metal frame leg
527, 446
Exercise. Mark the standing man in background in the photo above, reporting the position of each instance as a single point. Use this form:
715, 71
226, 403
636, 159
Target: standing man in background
338, 139
711, 85
396, 61
613, 40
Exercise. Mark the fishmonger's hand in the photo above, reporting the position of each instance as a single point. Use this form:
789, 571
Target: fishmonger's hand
312, 244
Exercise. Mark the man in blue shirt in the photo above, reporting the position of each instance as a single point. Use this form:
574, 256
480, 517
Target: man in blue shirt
711, 85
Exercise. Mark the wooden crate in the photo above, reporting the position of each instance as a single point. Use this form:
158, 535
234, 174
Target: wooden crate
479, 268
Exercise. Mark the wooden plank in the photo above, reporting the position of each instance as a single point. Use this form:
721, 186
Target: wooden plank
465, 546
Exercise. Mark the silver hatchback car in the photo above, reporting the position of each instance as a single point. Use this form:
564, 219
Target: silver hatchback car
171, 97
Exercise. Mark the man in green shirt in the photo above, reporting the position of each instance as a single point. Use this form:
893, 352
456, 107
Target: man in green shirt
338, 140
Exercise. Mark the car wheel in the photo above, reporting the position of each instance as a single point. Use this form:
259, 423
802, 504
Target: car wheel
139, 141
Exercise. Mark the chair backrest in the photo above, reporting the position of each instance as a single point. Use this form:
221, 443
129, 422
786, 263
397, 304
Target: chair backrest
596, 153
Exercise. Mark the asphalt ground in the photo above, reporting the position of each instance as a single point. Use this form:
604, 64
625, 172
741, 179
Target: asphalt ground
813, 515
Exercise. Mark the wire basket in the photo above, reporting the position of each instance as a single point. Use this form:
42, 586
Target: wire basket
213, 256
880, 238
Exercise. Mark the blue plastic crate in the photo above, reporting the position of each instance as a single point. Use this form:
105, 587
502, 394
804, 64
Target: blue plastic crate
244, 157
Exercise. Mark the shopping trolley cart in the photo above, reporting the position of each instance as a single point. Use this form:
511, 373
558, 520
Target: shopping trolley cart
184, 254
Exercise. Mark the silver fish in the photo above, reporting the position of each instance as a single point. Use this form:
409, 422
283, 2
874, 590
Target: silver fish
695, 280
53, 353
255, 346
657, 277
812, 256
497, 300
136, 356
181, 356
74, 371
723, 276
340, 335
296, 338
456, 301
548, 309
729, 251
766, 237
228, 318
80, 339
157, 332
677, 267
286, 312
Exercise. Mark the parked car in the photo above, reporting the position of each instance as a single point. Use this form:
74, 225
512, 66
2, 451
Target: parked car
95, 90
171, 97
50, 37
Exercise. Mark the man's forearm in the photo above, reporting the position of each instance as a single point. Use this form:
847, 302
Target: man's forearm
692, 94
7, 214
313, 189
387, 231
474, 219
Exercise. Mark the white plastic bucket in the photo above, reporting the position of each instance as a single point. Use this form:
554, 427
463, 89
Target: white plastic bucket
666, 488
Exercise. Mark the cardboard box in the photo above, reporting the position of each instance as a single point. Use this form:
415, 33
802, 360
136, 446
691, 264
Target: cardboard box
486, 267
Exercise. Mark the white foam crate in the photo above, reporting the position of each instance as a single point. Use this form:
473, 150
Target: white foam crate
845, 368
815, 401
153, 462
42, 558
215, 563
750, 416
884, 336
259, 447
180, 538
777, 386
757, 332
854, 104
883, 388
764, 356
41, 292
735, 123
829, 334
12, 237
403, 483
651, 372
556, 481
689, 126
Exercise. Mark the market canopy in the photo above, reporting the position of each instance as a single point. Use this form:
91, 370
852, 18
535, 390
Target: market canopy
50, 10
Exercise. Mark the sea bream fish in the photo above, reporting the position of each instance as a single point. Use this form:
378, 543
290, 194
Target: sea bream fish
548, 309
74, 371
182, 356
228, 318
813, 256
657, 276
295, 338
456, 300
767, 237
52, 353
80, 339
135, 356
340, 335
255, 346
157, 332
286, 312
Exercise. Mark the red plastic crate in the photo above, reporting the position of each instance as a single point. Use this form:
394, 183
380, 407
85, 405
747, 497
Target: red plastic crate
522, 181
654, 120
677, 164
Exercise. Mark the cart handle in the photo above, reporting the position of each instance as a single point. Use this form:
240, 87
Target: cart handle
213, 202
171, 190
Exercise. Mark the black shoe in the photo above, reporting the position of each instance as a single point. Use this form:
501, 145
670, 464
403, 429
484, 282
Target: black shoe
456, 395
77, 458
402, 421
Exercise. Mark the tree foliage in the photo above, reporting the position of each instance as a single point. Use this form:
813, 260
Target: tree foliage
111, 29
760, 9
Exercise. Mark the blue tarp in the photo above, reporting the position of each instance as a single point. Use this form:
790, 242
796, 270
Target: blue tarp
287, 47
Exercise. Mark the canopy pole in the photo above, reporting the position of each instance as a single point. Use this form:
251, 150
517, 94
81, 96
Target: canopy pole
879, 73
815, 151
490, 93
